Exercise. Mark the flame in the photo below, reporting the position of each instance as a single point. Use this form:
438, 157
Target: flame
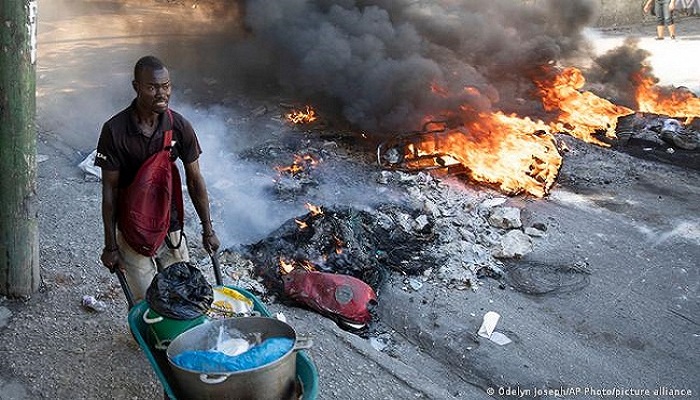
676, 103
518, 154
338, 245
515, 154
300, 164
287, 266
305, 116
314, 210
302, 225
581, 114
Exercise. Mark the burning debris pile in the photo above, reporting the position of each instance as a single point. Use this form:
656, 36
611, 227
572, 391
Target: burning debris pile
438, 232
512, 154
504, 89
659, 130
662, 138
492, 100
347, 241
443, 232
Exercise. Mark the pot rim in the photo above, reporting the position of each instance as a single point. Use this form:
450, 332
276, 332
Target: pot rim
299, 343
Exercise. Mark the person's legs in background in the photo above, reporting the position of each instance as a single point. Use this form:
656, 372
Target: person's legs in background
659, 32
661, 12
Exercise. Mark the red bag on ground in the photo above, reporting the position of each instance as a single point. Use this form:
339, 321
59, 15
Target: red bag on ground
144, 219
342, 297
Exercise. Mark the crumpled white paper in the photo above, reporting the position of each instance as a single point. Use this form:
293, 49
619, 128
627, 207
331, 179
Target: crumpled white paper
489, 325
88, 165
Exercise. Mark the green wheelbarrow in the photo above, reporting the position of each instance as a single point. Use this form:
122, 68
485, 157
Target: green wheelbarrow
307, 375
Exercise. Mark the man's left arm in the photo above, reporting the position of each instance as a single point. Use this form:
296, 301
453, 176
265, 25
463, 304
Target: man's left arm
197, 189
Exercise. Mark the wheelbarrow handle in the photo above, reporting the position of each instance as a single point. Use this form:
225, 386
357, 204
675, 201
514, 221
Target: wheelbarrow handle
125, 287
217, 267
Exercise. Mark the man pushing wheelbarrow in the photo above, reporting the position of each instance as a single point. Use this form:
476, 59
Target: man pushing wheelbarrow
142, 204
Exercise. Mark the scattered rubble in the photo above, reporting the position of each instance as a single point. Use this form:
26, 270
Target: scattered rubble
432, 228
474, 228
505, 218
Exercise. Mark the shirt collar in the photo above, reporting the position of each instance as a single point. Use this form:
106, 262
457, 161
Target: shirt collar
134, 127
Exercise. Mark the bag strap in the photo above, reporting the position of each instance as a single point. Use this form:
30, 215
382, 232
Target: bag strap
176, 187
168, 134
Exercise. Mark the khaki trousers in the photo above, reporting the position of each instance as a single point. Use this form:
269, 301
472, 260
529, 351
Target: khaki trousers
139, 270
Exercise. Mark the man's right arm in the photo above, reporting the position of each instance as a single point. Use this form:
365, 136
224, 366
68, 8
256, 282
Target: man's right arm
110, 198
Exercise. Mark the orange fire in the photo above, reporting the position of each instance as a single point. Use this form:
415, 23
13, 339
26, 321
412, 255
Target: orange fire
301, 224
305, 116
519, 155
675, 103
515, 154
314, 210
287, 266
338, 245
581, 113
301, 163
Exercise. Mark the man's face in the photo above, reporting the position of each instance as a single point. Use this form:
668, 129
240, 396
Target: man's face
153, 89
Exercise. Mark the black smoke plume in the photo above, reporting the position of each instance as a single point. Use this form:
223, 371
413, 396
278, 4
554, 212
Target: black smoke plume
385, 65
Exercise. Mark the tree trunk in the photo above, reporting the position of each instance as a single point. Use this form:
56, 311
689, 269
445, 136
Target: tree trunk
19, 246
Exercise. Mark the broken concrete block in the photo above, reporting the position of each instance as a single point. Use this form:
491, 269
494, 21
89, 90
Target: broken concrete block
494, 202
513, 244
534, 232
421, 223
467, 235
479, 255
505, 218
432, 208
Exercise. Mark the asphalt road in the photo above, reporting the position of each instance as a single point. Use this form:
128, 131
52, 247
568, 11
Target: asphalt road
608, 301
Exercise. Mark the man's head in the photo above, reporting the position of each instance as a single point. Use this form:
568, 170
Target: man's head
152, 84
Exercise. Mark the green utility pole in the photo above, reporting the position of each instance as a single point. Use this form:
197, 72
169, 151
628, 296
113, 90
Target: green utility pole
19, 245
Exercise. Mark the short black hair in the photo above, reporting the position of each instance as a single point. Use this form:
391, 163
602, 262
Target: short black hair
147, 62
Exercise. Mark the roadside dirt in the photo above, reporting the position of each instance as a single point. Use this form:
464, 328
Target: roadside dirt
632, 223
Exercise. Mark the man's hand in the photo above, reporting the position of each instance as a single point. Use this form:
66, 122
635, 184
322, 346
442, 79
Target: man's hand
111, 258
210, 242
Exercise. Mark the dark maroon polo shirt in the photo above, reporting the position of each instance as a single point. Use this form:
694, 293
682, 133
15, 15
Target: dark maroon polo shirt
123, 147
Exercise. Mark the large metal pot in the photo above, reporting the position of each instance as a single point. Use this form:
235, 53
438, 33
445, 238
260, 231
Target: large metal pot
273, 381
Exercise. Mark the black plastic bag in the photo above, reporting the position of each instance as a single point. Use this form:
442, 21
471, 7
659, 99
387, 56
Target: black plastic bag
180, 291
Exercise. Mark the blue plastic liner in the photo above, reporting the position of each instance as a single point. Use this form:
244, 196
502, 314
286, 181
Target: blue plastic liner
306, 369
209, 361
